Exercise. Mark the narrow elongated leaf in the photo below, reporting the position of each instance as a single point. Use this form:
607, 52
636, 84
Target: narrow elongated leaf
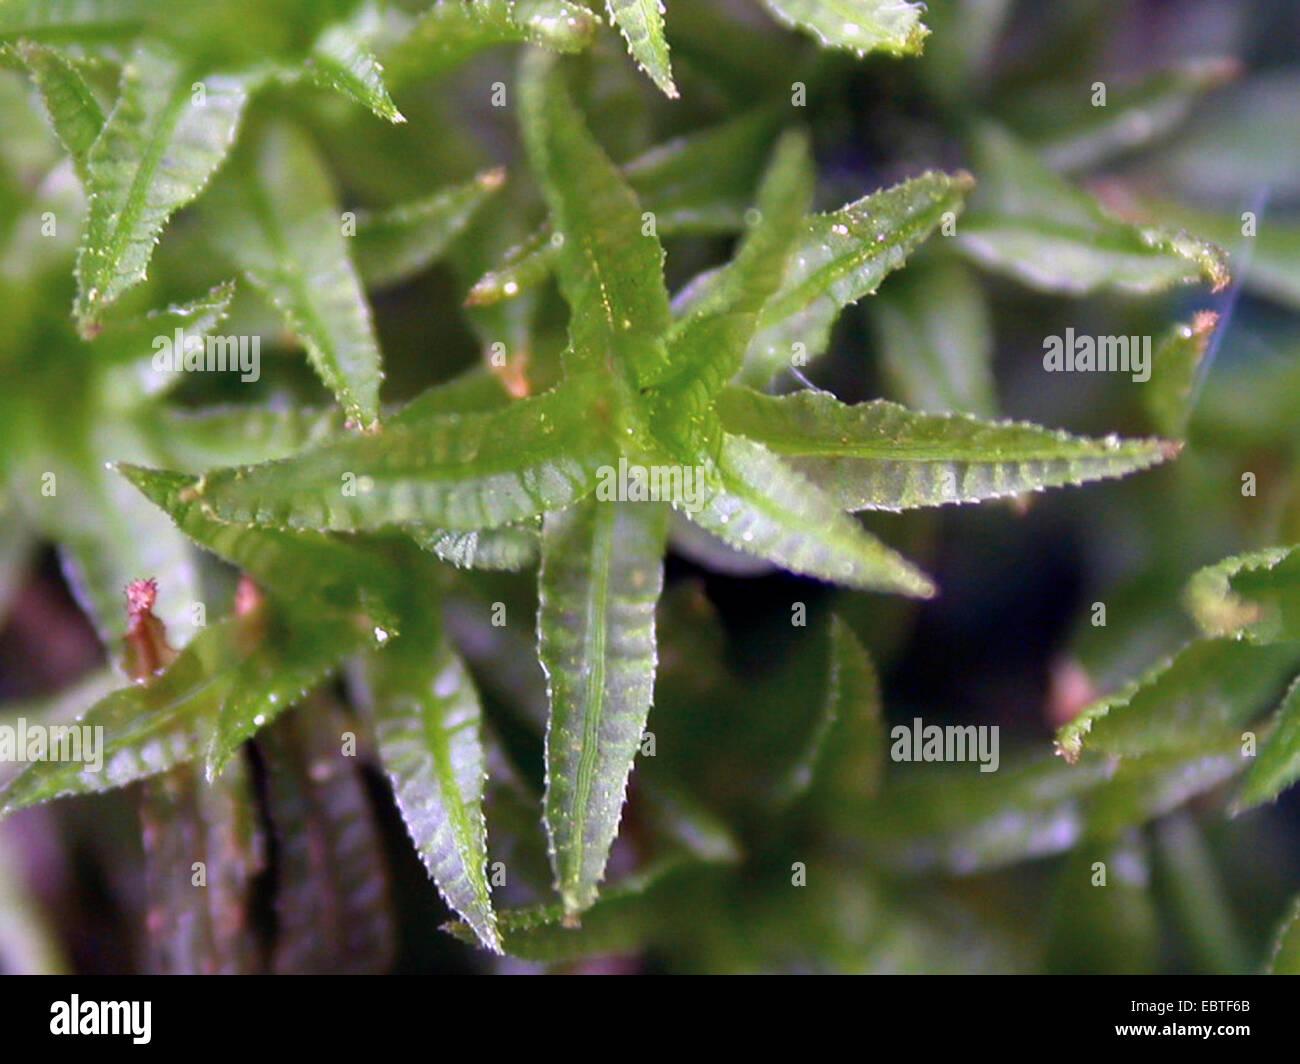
73, 111
1204, 694
159, 147
881, 456
1285, 957
107, 535
426, 715
844, 761
937, 340
1277, 765
448, 34
858, 26
682, 822
195, 440
148, 729
332, 907
511, 548
755, 273
277, 219
296, 566
642, 24
601, 575
708, 346
63, 707
842, 256
1174, 367
756, 503
200, 928
454, 472
127, 355
297, 653
73, 21
1034, 226
620, 921
1269, 258
341, 60
964, 49
703, 182
957, 819
696, 184
610, 267
1200, 899
399, 242
1115, 930
1074, 134
1254, 596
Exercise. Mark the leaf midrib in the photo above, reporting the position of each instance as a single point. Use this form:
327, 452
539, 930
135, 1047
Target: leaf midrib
594, 643
145, 172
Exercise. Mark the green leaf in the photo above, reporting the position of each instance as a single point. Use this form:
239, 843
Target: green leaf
620, 921
150, 728
70, 106
1277, 765
341, 60
297, 567
1115, 930
1032, 225
159, 147
126, 354
756, 503
881, 456
936, 340
395, 244
1200, 901
699, 183
707, 347
601, 575
1254, 596
195, 440
642, 24
297, 652
858, 26
62, 707
843, 256
1204, 694
457, 472
1171, 392
204, 931
511, 549
1285, 957
1269, 260
702, 182
277, 219
953, 818
106, 534
333, 913
73, 21
1072, 134
426, 715
448, 34
755, 273
844, 760
611, 271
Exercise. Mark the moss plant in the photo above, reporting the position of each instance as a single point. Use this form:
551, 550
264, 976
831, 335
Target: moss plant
438, 379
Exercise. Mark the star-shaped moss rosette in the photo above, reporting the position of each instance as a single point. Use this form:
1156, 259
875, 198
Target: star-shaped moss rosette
647, 382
